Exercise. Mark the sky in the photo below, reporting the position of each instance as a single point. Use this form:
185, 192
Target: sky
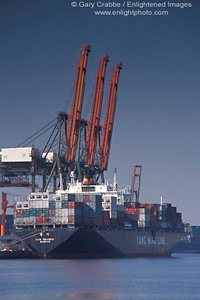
157, 116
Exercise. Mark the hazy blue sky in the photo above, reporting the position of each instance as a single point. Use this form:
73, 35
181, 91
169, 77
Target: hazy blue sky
157, 120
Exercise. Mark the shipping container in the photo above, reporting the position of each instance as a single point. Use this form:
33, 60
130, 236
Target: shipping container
52, 204
64, 204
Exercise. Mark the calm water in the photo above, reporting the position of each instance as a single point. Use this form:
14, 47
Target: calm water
175, 278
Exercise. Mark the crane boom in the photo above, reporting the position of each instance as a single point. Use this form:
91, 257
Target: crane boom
76, 108
96, 111
109, 118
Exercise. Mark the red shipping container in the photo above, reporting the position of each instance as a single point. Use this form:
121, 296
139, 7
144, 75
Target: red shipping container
106, 218
130, 211
71, 219
71, 204
86, 198
19, 213
39, 220
132, 205
106, 222
51, 212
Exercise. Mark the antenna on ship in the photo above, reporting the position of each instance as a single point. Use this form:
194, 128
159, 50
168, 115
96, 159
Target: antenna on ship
72, 177
115, 180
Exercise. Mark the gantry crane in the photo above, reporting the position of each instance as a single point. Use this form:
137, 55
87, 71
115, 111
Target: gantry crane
72, 128
85, 145
109, 118
93, 128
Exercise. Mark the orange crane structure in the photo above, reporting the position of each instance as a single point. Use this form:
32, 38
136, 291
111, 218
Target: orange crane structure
4, 206
109, 119
93, 128
93, 132
72, 128
85, 145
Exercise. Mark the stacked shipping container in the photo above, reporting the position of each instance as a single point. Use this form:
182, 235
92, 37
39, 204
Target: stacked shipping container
92, 209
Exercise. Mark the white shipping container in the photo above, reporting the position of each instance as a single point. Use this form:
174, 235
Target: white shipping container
58, 197
45, 204
109, 206
65, 196
32, 196
58, 204
32, 220
25, 205
71, 212
109, 199
113, 214
65, 220
45, 196
39, 196
32, 204
58, 212
106, 206
65, 212
144, 217
79, 198
52, 196
58, 220
38, 204
16, 154
26, 220
142, 223
19, 205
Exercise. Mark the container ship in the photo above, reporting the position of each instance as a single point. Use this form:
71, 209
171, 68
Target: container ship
83, 216
90, 221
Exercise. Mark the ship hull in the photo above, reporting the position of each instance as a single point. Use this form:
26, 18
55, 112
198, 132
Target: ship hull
187, 247
98, 243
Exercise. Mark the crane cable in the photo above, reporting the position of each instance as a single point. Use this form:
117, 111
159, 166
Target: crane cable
37, 133
25, 237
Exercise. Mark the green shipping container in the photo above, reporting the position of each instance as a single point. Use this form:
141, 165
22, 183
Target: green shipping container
25, 212
64, 204
45, 211
32, 212
51, 204
39, 212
